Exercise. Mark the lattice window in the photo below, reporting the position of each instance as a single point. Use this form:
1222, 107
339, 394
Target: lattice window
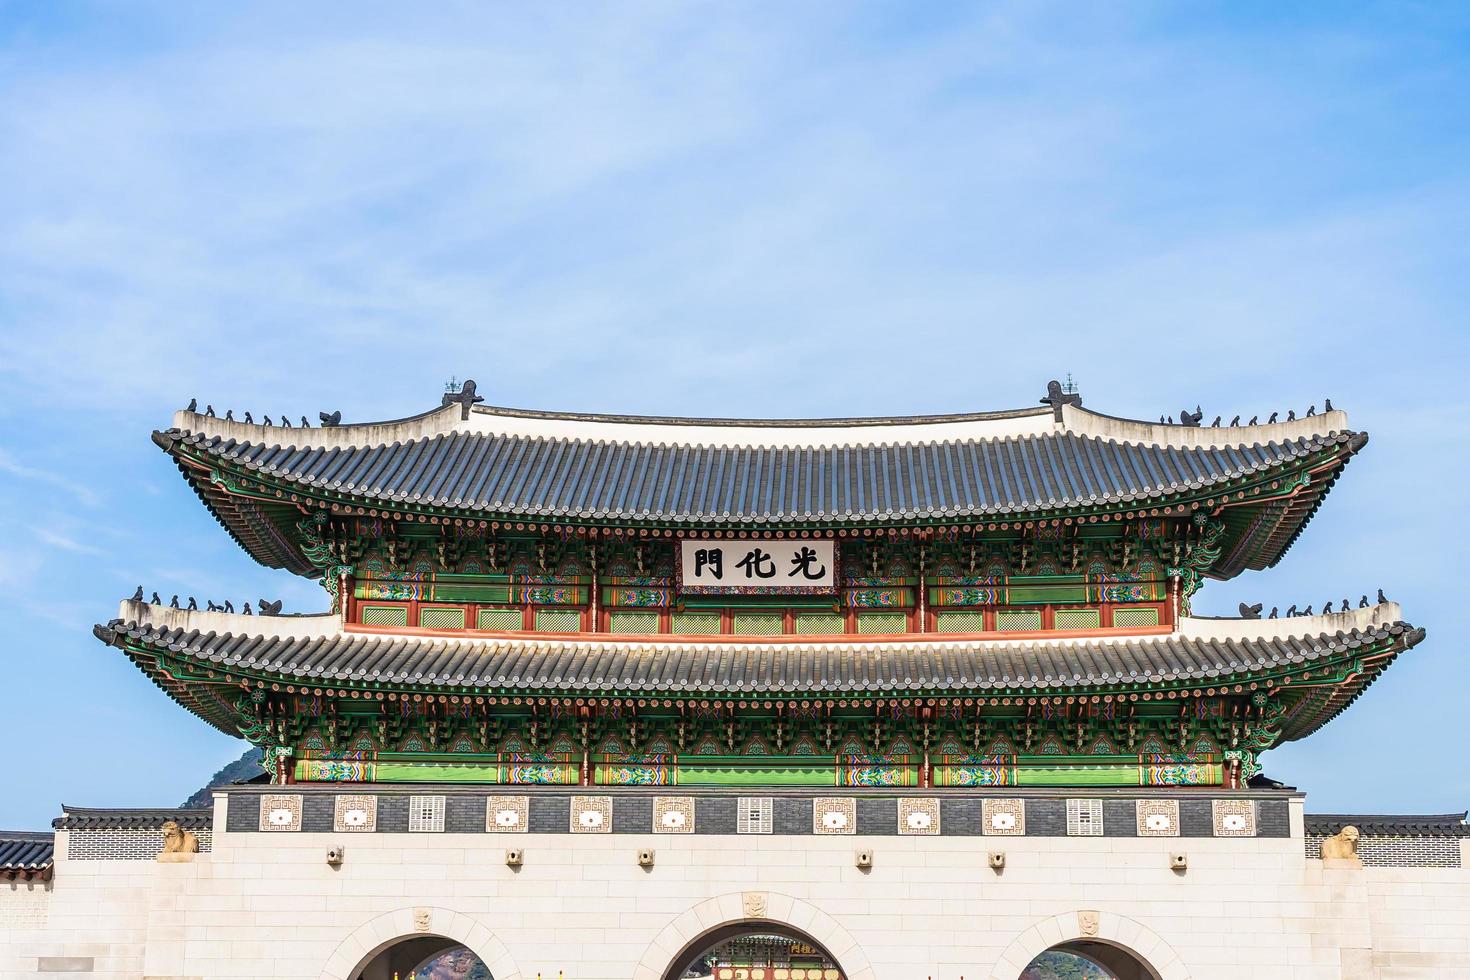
1084, 818
1018, 619
123, 844
558, 620
426, 814
960, 622
759, 624
1399, 852
754, 815
695, 623
632, 622
884, 622
1078, 619
500, 619
441, 617
820, 624
1136, 616
384, 615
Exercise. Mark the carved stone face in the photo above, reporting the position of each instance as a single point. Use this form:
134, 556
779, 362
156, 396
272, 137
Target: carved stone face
1350, 833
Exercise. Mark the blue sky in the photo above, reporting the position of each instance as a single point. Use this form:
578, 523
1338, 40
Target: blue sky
730, 209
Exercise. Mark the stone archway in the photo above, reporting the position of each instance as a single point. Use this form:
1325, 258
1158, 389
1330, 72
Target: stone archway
1105, 937
754, 911
1114, 961
410, 925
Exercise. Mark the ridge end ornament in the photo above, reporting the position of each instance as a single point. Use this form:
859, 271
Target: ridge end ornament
1058, 395
465, 397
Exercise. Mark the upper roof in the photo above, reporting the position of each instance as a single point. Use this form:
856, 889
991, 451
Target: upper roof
317, 650
496, 462
25, 855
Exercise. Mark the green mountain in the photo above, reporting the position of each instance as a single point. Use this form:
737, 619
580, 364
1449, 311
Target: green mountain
243, 768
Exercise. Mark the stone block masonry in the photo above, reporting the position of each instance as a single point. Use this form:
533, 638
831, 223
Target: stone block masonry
269, 904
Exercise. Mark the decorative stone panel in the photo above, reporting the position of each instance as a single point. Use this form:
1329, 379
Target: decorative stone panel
754, 815
1234, 818
834, 815
673, 815
355, 815
592, 814
1084, 818
918, 816
1158, 818
1003, 818
507, 815
280, 812
426, 814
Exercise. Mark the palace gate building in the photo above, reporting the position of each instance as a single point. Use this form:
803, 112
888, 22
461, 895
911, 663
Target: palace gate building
603, 696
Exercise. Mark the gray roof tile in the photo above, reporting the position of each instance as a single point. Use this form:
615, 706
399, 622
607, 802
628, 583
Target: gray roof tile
1391, 824
25, 854
637, 667
589, 478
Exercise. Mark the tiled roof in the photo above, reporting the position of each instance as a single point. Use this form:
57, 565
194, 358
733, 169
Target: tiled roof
25, 855
592, 479
315, 650
88, 818
1391, 824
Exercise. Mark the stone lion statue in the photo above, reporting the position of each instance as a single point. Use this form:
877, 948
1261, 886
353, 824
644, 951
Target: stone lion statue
1343, 844
177, 840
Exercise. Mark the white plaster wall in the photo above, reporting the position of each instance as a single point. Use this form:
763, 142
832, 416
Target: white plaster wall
96, 911
1421, 921
268, 905
24, 911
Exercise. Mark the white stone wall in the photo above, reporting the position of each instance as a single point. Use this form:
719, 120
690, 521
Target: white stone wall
268, 905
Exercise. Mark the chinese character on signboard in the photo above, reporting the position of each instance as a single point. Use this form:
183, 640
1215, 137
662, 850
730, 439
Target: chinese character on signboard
757, 565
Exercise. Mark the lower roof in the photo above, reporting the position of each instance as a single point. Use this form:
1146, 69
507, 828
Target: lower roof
113, 818
1391, 824
199, 657
25, 854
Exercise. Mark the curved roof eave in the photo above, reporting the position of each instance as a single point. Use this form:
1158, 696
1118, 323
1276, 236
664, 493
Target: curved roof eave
316, 651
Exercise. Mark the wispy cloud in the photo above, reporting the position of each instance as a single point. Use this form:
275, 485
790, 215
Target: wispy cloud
57, 540
83, 493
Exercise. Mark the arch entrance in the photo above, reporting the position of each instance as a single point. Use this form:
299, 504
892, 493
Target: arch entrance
456, 946
1085, 959
754, 950
423, 958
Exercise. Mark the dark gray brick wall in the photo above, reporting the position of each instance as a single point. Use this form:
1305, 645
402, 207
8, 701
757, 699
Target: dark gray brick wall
960, 818
1120, 819
1273, 819
1047, 818
633, 816
877, 817
316, 814
243, 815
550, 815
715, 815
789, 816
393, 815
464, 815
1196, 818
